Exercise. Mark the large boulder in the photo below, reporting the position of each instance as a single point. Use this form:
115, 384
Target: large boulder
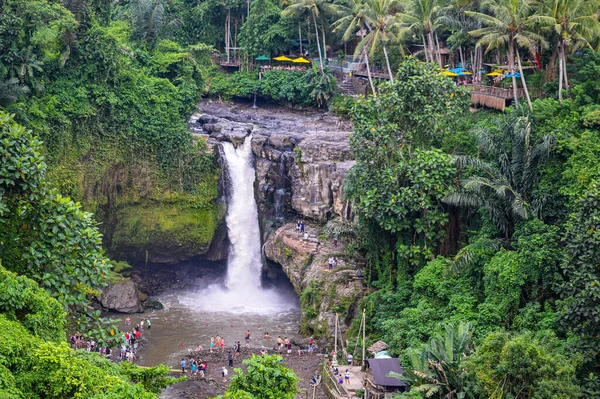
121, 296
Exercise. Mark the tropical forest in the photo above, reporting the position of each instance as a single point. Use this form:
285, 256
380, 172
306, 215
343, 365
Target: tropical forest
279, 199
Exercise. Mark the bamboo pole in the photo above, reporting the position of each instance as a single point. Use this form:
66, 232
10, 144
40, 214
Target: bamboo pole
364, 331
336, 336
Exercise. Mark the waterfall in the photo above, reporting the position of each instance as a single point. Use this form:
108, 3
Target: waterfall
244, 264
241, 292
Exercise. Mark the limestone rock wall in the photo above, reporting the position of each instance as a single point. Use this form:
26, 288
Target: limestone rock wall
301, 158
323, 292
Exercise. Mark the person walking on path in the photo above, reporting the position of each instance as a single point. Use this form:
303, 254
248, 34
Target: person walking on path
347, 376
230, 359
350, 359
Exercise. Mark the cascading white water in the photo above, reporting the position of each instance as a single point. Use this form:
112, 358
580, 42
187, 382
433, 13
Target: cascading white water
242, 293
245, 260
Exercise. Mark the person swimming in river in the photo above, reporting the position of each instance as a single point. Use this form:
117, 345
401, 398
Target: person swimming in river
266, 336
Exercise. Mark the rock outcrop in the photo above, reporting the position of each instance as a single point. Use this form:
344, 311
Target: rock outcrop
121, 296
323, 292
301, 158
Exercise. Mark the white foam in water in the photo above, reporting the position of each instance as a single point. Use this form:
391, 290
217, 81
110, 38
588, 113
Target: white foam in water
243, 292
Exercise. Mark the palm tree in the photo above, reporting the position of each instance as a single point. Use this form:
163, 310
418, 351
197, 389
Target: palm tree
439, 367
316, 9
504, 188
421, 20
353, 18
11, 90
379, 16
575, 24
147, 18
323, 85
512, 25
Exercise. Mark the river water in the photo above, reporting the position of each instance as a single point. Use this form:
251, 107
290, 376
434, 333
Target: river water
188, 321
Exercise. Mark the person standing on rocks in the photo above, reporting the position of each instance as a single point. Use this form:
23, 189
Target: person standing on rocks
148, 323
230, 359
279, 344
298, 227
212, 344
302, 226
247, 338
183, 364
224, 374
238, 348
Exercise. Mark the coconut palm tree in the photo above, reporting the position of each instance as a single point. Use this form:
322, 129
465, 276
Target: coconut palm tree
316, 9
420, 19
504, 186
510, 25
575, 25
379, 16
353, 19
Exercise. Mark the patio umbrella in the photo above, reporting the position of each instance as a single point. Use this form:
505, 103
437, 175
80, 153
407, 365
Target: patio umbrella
282, 58
448, 73
301, 60
508, 75
262, 58
494, 74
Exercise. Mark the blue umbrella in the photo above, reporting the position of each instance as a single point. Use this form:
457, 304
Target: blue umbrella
509, 75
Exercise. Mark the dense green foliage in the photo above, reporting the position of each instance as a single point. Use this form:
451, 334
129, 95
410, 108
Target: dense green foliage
36, 362
305, 88
521, 282
266, 378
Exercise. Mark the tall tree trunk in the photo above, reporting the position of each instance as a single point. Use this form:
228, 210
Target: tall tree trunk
318, 43
523, 81
300, 38
323, 38
462, 57
425, 50
227, 33
248, 8
439, 54
431, 46
235, 41
560, 74
564, 59
308, 31
369, 70
511, 66
387, 61
479, 64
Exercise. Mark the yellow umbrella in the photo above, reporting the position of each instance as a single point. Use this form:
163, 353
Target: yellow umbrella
495, 73
282, 58
448, 73
301, 60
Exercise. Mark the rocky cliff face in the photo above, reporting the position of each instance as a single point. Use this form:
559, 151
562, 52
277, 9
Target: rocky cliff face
301, 158
323, 292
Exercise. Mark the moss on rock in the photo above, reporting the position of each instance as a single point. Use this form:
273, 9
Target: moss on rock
162, 231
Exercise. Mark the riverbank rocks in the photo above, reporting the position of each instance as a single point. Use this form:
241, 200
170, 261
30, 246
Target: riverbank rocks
302, 158
122, 296
323, 292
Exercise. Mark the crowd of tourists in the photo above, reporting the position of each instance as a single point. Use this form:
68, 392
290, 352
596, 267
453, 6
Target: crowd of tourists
130, 342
